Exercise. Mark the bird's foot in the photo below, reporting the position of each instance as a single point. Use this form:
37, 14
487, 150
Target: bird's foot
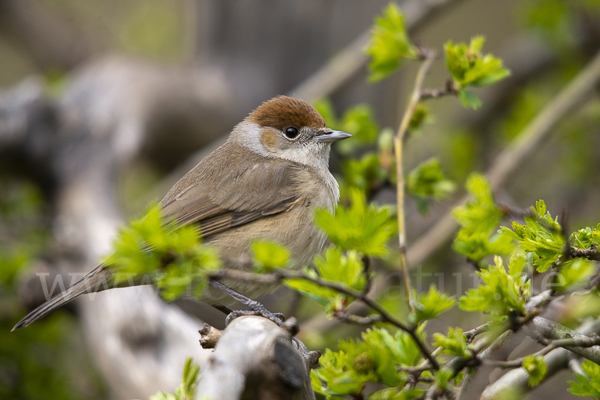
256, 307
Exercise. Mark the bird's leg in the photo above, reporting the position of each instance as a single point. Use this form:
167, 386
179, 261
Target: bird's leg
257, 308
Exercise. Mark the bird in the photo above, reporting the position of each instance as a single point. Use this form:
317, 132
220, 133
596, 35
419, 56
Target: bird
264, 183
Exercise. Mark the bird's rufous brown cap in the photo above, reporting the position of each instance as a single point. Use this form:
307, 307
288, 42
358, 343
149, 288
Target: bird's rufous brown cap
282, 111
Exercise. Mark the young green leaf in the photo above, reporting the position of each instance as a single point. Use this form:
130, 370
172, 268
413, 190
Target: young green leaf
587, 385
269, 255
363, 228
501, 292
586, 238
389, 44
469, 67
536, 368
427, 182
431, 304
420, 117
172, 257
455, 344
478, 219
364, 173
541, 236
333, 266
372, 359
442, 377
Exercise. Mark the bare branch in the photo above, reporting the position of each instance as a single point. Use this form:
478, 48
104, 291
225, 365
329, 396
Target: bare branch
415, 98
255, 358
555, 361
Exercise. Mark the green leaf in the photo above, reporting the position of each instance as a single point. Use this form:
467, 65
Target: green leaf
575, 274
442, 377
332, 266
587, 385
364, 173
586, 238
469, 67
389, 44
371, 359
364, 228
478, 219
536, 368
541, 236
427, 182
501, 292
455, 344
170, 256
269, 255
420, 117
468, 99
431, 304
358, 120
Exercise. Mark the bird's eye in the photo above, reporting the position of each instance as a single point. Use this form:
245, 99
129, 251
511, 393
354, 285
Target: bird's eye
291, 132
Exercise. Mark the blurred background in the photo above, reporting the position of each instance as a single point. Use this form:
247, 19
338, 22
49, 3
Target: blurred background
104, 105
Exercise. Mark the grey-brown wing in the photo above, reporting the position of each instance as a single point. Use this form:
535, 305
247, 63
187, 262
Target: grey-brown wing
230, 188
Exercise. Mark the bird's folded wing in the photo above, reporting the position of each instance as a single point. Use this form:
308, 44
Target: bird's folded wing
219, 196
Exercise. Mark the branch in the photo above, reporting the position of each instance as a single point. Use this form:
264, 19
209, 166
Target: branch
255, 358
415, 98
556, 335
555, 361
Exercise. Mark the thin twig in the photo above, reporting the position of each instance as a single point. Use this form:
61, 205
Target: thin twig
356, 319
429, 57
448, 90
366, 261
471, 334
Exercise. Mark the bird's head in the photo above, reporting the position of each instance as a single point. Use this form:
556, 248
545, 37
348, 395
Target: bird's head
288, 128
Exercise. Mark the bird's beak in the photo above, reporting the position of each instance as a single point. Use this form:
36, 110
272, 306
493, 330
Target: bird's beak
332, 136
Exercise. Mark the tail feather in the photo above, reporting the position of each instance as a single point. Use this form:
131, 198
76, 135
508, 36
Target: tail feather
96, 281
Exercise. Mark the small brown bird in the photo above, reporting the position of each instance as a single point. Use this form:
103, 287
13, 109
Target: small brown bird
265, 182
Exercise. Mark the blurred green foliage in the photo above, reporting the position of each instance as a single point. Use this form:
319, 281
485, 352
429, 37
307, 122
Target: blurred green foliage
427, 182
469, 67
479, 219
48, 360
170, 256
371, 359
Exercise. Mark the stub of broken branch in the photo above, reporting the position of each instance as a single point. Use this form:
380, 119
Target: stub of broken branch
209, 336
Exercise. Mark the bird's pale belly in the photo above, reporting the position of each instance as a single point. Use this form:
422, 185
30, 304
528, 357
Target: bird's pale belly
293, 229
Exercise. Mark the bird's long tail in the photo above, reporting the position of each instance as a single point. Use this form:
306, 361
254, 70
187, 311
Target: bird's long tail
97, 280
